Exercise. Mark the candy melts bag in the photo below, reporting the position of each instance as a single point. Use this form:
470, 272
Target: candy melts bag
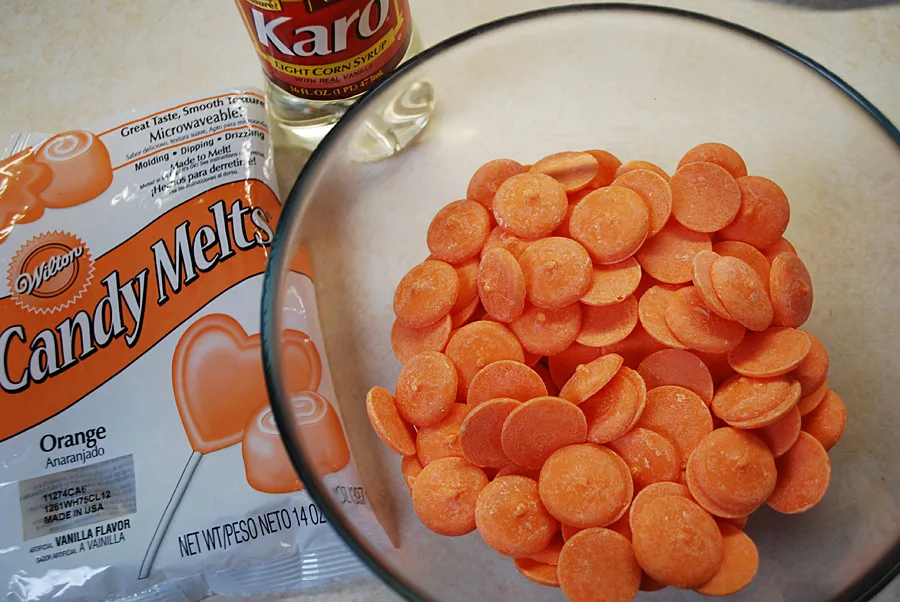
138, 453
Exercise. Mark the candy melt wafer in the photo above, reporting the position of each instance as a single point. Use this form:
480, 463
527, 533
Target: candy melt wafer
634, 335
654, 190
650, 457
550, 554
410, 467
511, 518
705, 197
612, 411
590, 378
810, 402
458, 231
679, 415
488, 178
557, 272
719, 154
505, 378
547, 332
812, 370
733, 468
585, 485
426, 388
770, 353
598, 560
481, 430
827, 422
680, 368
475, 345
611, 284
658, 531
573, 170
444, 495
781, 435
408, 342
539, 572
601, 326
564, 364
426, 294
611, 223
647, 165
501, 285
607, 164
530, 205
140, 245
441, 439
740, 562
804, 472
539, 427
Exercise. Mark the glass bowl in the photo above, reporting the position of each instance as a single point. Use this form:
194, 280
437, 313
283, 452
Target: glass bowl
645, 83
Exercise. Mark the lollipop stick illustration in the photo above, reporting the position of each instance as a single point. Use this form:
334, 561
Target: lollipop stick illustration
218, 382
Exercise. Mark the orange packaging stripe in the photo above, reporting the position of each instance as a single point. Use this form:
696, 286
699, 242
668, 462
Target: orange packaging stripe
131, 270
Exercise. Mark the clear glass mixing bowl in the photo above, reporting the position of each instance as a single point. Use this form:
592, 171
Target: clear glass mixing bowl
644, 83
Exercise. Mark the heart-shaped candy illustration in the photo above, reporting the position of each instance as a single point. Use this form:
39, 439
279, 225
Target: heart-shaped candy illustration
217, 376
265, 460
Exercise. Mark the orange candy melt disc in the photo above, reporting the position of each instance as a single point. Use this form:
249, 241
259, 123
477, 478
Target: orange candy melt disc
677, 542
557, 272
598, 565
458, 231
479, 434
530, 205
720, 154
505, 378
539, 427
585, 485
501, 285
488, 178
426, 388
705, 197
611, 223
804, 473
669, 255
740, 563
511, 518
395, 432
445, 493
734, 469
679, 368
478, 344
426, 294
573, 170
680, 416
589, 378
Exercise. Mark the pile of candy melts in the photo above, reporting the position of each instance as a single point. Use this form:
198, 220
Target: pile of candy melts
603, 372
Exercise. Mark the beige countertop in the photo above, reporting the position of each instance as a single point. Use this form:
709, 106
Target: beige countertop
65, 64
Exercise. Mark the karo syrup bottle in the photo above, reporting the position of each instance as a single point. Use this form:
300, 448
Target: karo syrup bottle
319, 56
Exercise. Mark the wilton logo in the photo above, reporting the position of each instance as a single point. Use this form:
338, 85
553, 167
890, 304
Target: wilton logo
50, 272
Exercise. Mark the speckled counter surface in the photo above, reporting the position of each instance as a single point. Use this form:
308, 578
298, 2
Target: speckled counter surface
67, 64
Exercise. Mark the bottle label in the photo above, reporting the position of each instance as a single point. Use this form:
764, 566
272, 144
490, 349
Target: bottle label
327, 49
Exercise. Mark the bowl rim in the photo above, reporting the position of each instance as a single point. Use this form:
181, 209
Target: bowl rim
863, 589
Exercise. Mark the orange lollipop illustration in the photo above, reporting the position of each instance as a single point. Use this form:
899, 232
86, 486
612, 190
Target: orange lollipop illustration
80, 165
218, 381
22, 180
265, 460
